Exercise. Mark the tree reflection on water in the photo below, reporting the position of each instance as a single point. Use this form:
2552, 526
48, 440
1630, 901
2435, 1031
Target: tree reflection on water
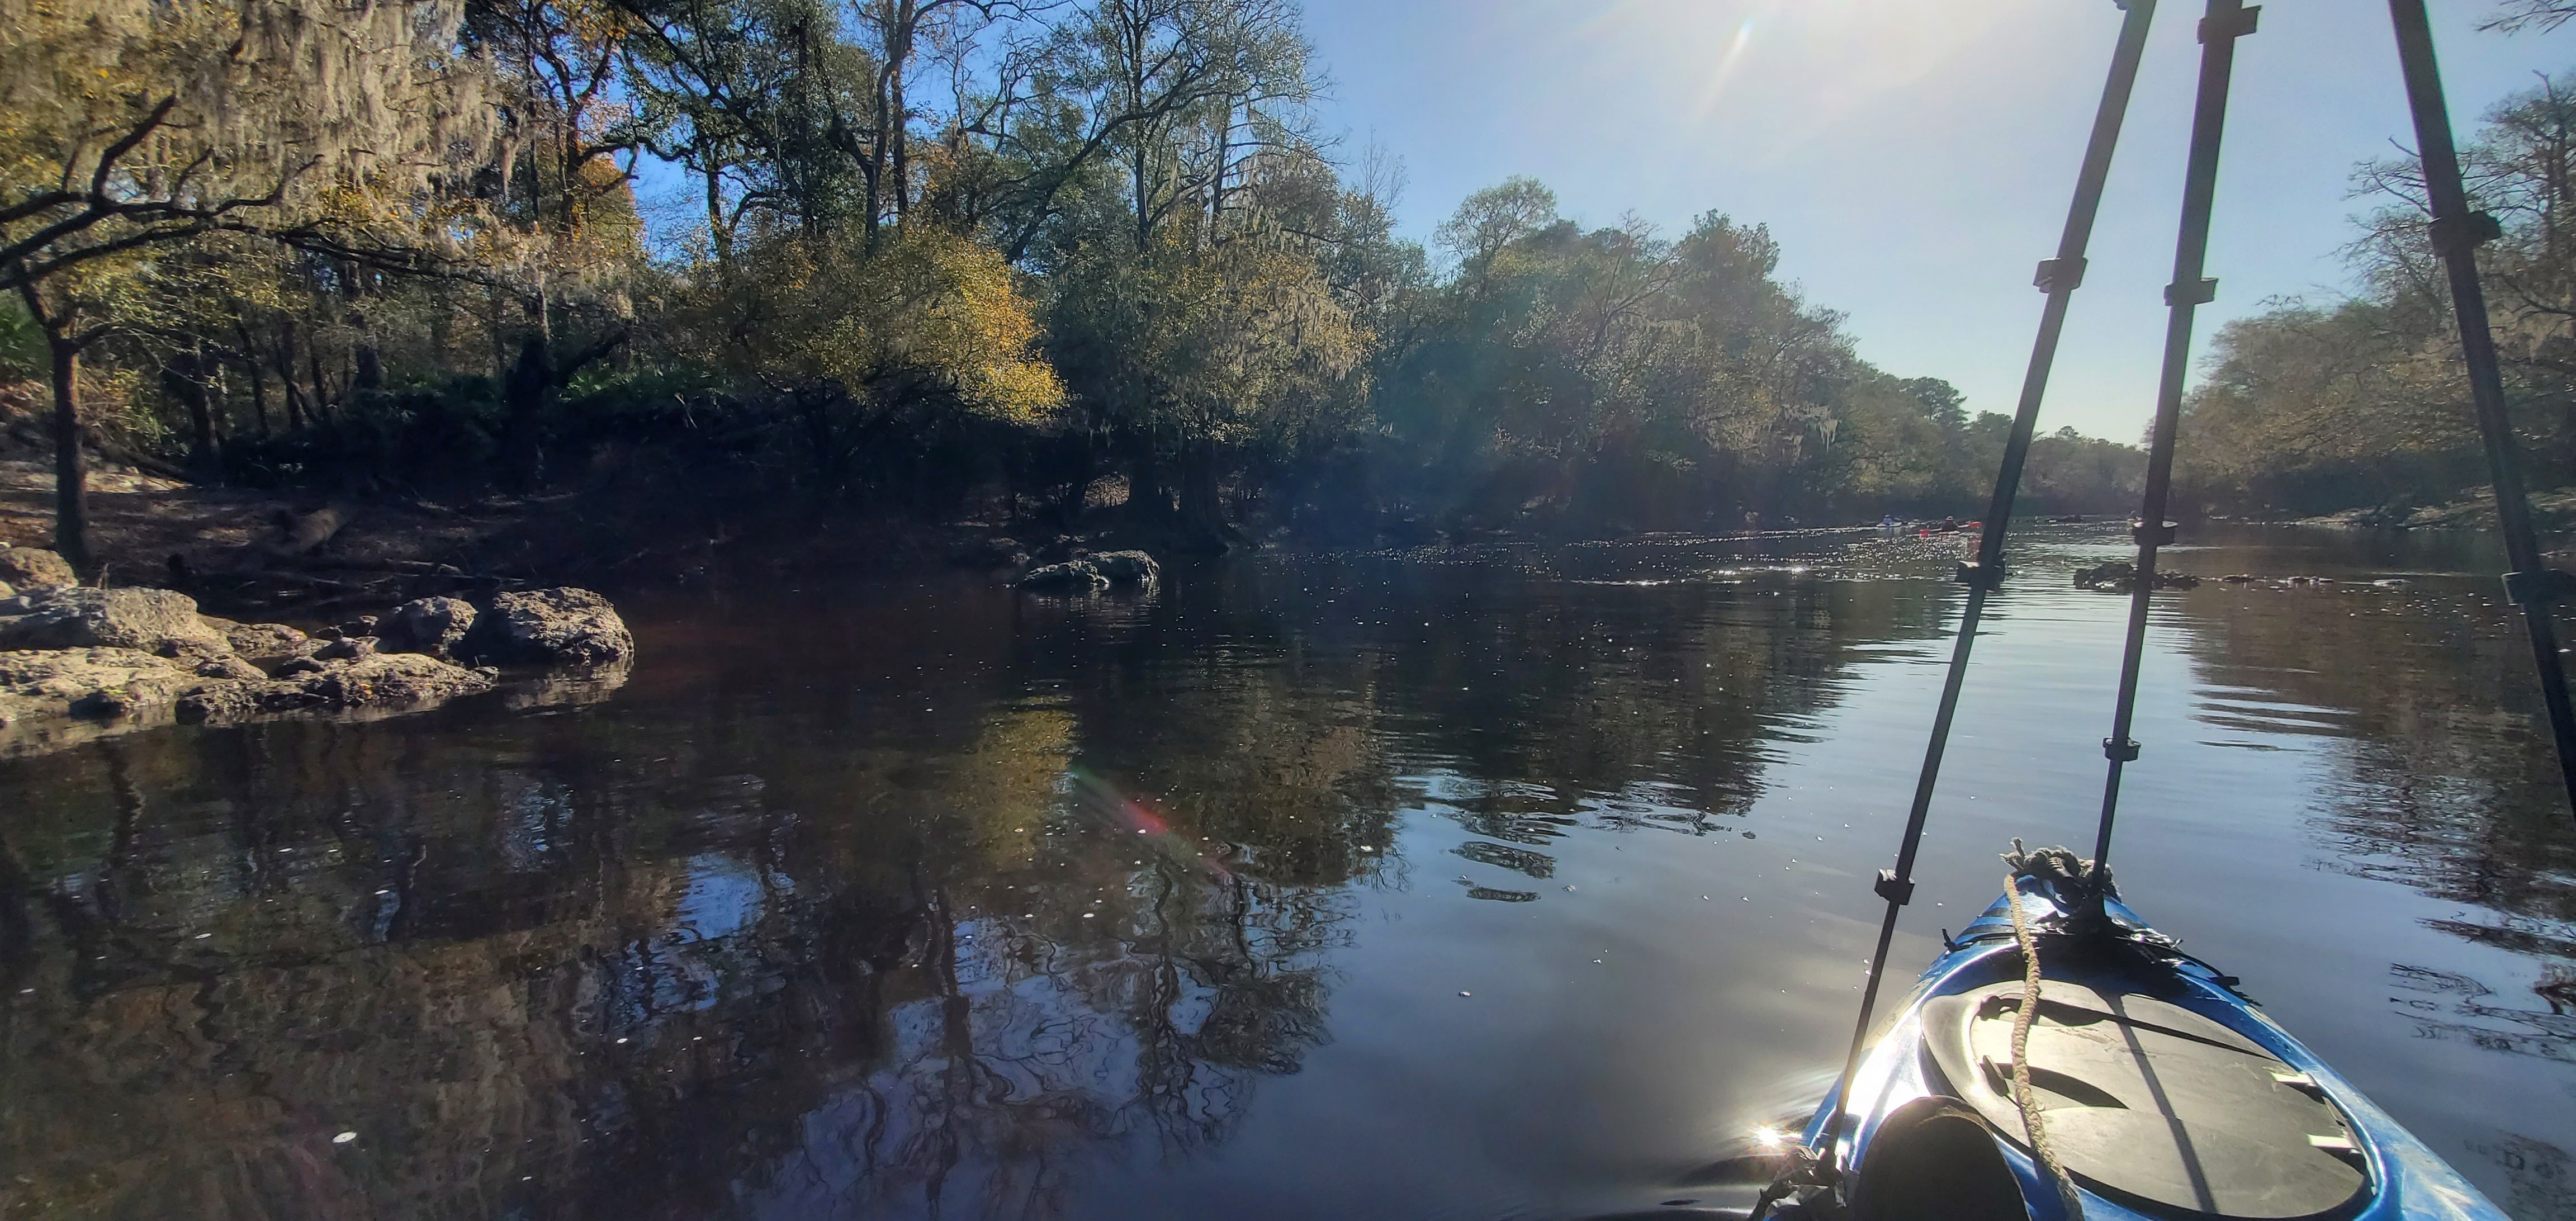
942, 901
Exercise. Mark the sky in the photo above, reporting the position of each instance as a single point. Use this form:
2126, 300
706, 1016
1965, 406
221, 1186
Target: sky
1915, 157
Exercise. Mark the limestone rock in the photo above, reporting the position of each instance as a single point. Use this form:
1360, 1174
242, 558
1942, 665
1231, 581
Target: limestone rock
34, 568
1133, 568
227, 667
40, 688
346, 648
1070, 577
262, 643
2121, 576
434, 626
391, 681
561, 626
71, 617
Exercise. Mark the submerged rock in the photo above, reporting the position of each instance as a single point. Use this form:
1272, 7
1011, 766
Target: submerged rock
34, 568
2121, 576
560, 626
71, 617
1128, 568
1070, 577
434, 626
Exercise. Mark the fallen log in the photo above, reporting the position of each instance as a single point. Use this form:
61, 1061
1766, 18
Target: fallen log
330, 563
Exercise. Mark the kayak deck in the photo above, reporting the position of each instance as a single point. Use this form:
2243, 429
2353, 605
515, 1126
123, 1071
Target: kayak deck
2162, 1091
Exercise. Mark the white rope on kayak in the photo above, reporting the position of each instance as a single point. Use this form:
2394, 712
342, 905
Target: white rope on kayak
2023, 1097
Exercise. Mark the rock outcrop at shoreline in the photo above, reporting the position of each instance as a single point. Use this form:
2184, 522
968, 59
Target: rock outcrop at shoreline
155, 621
28, 568
79, 663
545, 627
1092, 573
428, 625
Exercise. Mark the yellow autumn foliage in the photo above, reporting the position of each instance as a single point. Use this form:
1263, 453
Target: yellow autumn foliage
926, 315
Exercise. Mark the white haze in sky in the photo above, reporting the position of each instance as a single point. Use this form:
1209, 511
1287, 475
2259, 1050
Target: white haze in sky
1914, 157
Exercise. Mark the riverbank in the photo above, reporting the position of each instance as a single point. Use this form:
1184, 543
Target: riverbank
311, 559
2552, 510
79, 662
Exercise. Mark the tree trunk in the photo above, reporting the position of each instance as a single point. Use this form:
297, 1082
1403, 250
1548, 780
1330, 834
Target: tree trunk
321, 393
899, 128
71, 473
492, 330
1202, 506
1146, 493
296, 412
259, 397
814, 407
1144, 207
523, 396
719, 234
442, 322
183, 377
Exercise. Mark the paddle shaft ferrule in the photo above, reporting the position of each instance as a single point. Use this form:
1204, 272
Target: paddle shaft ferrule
2058, 278
2457, 232
2227, 21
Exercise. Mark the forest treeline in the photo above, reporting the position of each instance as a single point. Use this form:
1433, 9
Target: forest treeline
933, 255
2363, 402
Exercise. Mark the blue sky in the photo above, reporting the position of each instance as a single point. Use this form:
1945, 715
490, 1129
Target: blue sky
1914, 157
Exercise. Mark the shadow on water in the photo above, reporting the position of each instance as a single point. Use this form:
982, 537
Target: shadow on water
1468, 883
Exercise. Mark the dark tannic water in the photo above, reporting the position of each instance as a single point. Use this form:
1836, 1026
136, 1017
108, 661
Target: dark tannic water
1503, 883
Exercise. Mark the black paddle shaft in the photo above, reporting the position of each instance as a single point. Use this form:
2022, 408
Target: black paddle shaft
2227, 21
2457, 234
2058, 277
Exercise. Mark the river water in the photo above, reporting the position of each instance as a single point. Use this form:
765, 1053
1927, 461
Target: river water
1475, 884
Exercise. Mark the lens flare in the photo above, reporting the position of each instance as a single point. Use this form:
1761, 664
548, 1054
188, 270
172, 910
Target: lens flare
1136, 815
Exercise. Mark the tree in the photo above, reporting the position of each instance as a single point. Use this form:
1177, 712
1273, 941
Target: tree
1941, 402
2515, 16
925, 330
558, 228
135, 125
1492, 219
1194, 361
2362, 401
